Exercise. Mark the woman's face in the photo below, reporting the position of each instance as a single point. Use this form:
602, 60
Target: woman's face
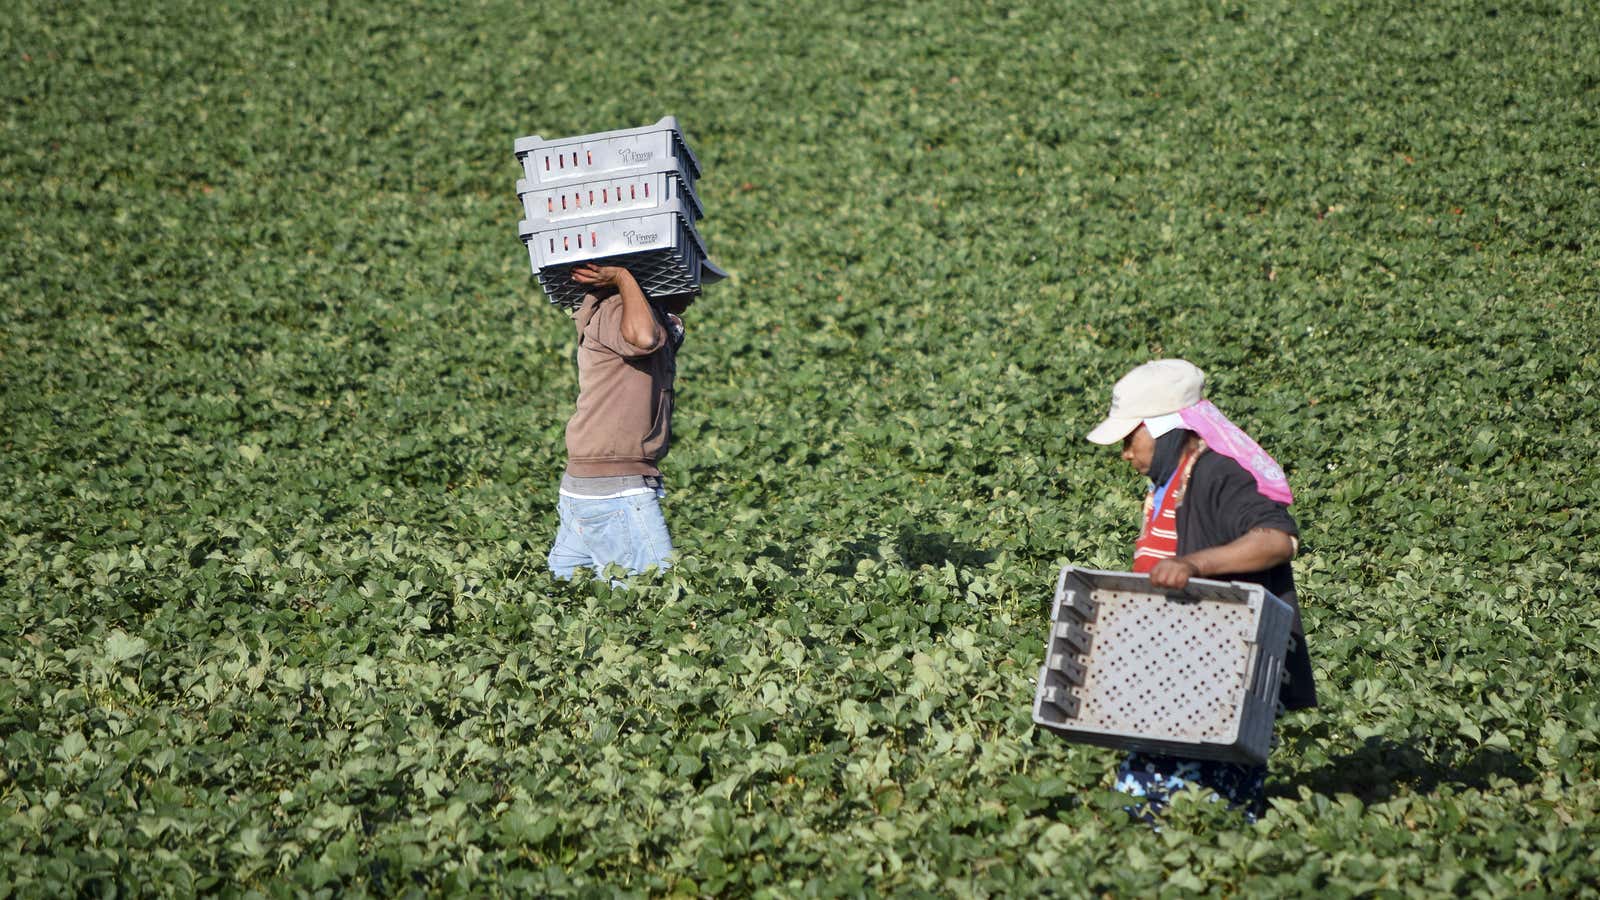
1139, 448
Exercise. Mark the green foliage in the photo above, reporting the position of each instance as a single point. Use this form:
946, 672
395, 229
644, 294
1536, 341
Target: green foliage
283, 417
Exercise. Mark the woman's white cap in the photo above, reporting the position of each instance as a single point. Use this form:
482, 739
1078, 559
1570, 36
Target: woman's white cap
1157, 388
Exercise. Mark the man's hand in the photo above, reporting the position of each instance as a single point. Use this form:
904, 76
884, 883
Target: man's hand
600, 276
1173, 573
1257, 550
638, 322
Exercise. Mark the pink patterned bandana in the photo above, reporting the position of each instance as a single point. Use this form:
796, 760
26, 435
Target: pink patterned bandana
1226, 438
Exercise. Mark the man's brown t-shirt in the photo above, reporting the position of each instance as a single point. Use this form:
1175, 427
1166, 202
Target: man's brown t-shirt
623, 423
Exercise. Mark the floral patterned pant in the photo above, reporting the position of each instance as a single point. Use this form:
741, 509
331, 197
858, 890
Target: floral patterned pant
1155, 778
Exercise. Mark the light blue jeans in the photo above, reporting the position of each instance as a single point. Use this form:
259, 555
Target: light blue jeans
629, 531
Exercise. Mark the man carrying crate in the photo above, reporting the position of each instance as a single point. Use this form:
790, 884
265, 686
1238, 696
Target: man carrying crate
1217, 508
610, 494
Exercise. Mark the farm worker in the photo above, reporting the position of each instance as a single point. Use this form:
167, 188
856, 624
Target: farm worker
611, 491
1217, 508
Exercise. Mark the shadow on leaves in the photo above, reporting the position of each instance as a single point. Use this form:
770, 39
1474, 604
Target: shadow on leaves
937, 548
1380, 768
914, 549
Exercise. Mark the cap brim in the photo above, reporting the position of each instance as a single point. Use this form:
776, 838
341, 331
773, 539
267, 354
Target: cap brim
1113, 430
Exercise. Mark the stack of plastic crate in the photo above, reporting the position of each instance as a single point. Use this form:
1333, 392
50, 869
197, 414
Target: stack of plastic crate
1191, 673
622, 198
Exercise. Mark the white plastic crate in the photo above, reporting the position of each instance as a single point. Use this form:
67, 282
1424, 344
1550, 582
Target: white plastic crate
587, 157
1191, 673
635, 193
664, 253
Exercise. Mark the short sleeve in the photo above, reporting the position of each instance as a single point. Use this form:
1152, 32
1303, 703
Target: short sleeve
1239, 505
605, 329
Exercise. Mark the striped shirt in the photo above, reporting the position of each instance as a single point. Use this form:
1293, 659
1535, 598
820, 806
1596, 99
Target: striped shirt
1159, 540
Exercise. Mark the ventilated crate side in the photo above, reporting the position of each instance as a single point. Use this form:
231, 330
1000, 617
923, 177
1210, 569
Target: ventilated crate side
633, 193
588, 156
587, 239
680, 268
592, 239
1133, 668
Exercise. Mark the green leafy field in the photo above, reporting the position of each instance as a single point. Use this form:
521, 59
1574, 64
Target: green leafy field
283, 410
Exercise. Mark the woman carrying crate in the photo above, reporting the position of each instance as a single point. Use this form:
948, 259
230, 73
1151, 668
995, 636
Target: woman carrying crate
1217, 508
611, 491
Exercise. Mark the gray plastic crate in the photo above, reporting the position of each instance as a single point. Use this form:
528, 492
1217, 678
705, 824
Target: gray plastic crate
551, 244
671, 261
1190, 673
634, 193
586, 157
